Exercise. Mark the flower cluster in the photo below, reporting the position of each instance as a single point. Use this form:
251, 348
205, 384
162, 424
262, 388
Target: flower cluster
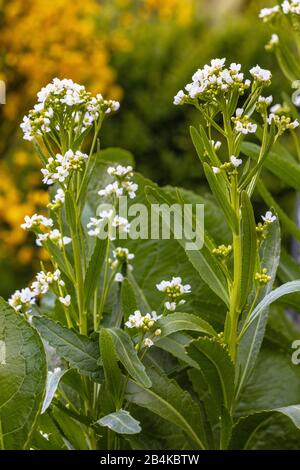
22, 300
283, 122
222, 251
213, 81
262, 229
242, 123
287, 7
58, 200
115, 223
145, 324
63, 104
123, 185
121, 257
41, 225
229, 167
59, 168
263, 277
174, 290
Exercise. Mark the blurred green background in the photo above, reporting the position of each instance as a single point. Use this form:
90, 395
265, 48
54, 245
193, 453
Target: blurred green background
138, 51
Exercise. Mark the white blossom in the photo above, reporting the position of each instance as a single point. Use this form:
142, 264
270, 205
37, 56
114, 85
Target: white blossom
179, 98
36, 222
236, 161
216, 170
148, 342
119, 277
261, 75
23, 298
266, 100
66, 301
268, 217
266, 13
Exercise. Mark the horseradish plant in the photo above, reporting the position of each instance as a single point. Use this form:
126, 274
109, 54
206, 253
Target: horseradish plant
126, 367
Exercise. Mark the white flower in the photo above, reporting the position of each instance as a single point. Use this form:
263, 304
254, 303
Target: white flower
174, 289
261, 75
242, 124
135, 320
44, 435
213, 79
120, 171
269, 217
216, 170
56, 237
216, 144
171, 306
266, 13
274, 40
112, 188
58, 199
121, 224
294, 124
36, 222
239, 112
43, 281
96, 224
148, 343
60, 167
266, 100
66, 301
291, 7
119, 277
22, 298
179, 98
236, 161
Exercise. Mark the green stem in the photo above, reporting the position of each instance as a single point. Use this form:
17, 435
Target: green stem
237, 270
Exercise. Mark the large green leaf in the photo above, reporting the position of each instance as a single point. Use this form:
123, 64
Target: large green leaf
112, 373
53, 380
184, 322
120, 422
80, 351
169, 401
202, 260
274, 383
23, 373
217, 368
170, 254
127, 355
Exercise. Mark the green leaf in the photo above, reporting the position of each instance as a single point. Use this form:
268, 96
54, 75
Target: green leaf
112, 373
175, 344
23, 373
202, 260
274, 383
169, 401
121, 422
127, 355
287, 169
116, 155
59, 258
251, 340
249, 247
288, 288
198, 144
129, 303
222, 198
94, 269
217, 368
80, 351
53, 380
177, 321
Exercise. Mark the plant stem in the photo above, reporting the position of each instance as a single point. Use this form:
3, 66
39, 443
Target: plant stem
237, 268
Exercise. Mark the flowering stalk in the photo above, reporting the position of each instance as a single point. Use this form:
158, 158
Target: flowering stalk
231, 108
